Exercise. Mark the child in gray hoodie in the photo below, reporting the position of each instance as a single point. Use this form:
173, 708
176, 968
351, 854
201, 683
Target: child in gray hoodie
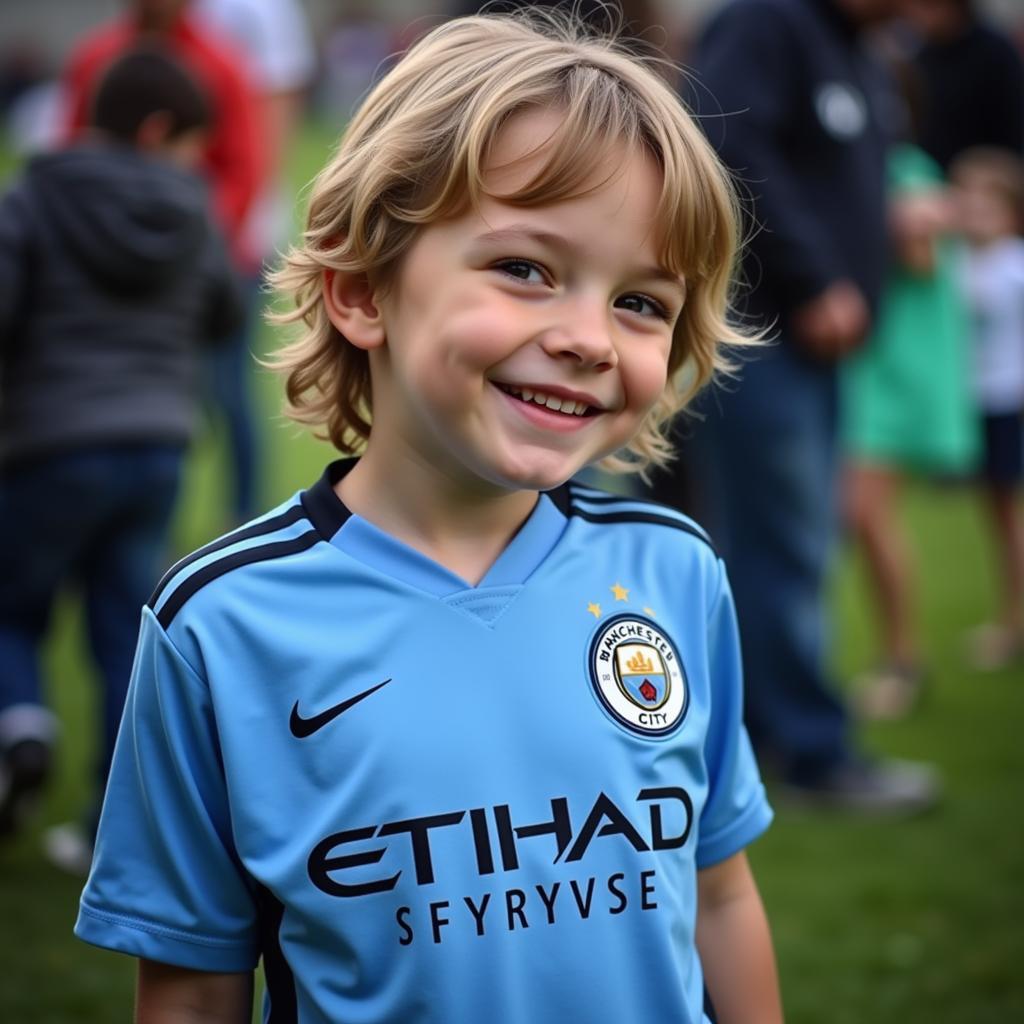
111, 276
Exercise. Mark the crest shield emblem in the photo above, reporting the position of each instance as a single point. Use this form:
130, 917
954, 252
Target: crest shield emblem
641, 675
637, 675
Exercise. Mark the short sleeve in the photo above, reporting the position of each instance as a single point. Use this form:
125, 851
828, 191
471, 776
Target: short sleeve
166, 883
736, 811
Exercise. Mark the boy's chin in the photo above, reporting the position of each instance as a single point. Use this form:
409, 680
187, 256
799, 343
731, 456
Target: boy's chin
538, 475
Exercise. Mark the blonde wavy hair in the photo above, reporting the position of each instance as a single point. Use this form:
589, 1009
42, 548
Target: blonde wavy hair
416, 153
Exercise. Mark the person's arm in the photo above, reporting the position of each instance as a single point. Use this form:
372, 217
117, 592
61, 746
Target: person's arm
282, 112
235, 157
14, 266
225, 307
180, 995
732, 934
75, 83
167, 882
735, 945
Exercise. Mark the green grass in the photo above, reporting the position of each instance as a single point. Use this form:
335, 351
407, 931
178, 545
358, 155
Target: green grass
893, 923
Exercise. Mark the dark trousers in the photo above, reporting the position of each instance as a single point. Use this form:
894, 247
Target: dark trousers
229, 379
97, 517
759, 472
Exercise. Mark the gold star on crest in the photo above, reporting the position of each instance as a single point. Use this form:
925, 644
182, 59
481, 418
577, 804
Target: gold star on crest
620, 592
594, 609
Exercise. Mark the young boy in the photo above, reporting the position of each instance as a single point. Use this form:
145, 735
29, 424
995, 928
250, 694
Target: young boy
990, 186
445, 737
111, 275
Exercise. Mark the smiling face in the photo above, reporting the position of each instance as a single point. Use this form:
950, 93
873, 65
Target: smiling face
521, 343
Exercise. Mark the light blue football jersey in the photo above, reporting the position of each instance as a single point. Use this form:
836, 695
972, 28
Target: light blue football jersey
421, 801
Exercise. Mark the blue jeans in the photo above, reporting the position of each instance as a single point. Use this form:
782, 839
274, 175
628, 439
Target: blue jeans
763, 466
97, 517
228, 372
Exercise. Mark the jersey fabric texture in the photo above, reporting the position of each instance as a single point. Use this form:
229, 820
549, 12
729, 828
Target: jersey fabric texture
422, 801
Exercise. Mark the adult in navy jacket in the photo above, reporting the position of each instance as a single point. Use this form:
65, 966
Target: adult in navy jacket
798, 109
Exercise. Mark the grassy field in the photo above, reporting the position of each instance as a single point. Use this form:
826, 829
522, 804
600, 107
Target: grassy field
889, 923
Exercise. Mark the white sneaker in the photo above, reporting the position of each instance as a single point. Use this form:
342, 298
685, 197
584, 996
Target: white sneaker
67, 847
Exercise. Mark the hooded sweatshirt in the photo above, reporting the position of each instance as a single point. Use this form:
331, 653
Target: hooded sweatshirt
111, 276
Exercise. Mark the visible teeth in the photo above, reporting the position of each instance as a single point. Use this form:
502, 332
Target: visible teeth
563, 405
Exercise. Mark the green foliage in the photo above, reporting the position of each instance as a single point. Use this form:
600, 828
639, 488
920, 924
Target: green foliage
890, 922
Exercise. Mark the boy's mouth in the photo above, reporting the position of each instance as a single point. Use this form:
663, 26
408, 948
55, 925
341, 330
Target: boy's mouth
555, 403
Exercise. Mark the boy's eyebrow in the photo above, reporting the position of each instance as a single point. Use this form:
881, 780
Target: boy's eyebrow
517, 232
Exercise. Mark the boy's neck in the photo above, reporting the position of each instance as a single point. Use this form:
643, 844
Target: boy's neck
414, 503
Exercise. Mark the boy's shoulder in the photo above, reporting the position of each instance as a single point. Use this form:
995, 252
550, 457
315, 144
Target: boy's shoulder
643, 517
278, 536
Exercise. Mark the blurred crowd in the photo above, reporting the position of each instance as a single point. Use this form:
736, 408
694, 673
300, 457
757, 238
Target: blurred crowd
878, 148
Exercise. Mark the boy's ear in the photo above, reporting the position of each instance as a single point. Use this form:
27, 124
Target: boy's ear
351, 306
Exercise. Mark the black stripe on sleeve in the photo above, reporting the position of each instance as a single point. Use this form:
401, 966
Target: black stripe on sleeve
643, 517
276, 969
210, 572
274, 523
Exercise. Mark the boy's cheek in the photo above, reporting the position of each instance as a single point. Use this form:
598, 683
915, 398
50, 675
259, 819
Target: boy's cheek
648, 382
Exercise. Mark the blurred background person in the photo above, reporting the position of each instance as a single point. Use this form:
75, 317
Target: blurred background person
272, 37
111, 274
989, 184
905, 405
798, 110
973, 80
355, 48
234, 164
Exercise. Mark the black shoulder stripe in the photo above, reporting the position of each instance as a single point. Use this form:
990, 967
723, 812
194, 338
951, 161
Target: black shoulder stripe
210, 572
606, 498
562, 498
643, 517
286, 518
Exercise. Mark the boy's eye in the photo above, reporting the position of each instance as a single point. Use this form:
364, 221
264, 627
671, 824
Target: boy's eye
644, 305
522, 270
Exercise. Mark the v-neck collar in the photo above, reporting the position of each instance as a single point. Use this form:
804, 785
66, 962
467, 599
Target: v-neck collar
360, 539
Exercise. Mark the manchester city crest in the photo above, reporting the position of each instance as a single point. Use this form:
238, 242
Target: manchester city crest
637, 675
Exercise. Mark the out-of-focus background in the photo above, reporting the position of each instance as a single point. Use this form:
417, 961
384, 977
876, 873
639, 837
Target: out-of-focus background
874, 920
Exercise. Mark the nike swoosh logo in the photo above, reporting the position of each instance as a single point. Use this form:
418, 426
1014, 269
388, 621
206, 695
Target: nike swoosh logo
303, 727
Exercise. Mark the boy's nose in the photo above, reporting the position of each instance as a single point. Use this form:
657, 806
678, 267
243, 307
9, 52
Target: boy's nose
585, 336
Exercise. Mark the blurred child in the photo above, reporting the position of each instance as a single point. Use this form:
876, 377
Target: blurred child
445, 738
110, 276
990, 190
906, 408
233, 162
